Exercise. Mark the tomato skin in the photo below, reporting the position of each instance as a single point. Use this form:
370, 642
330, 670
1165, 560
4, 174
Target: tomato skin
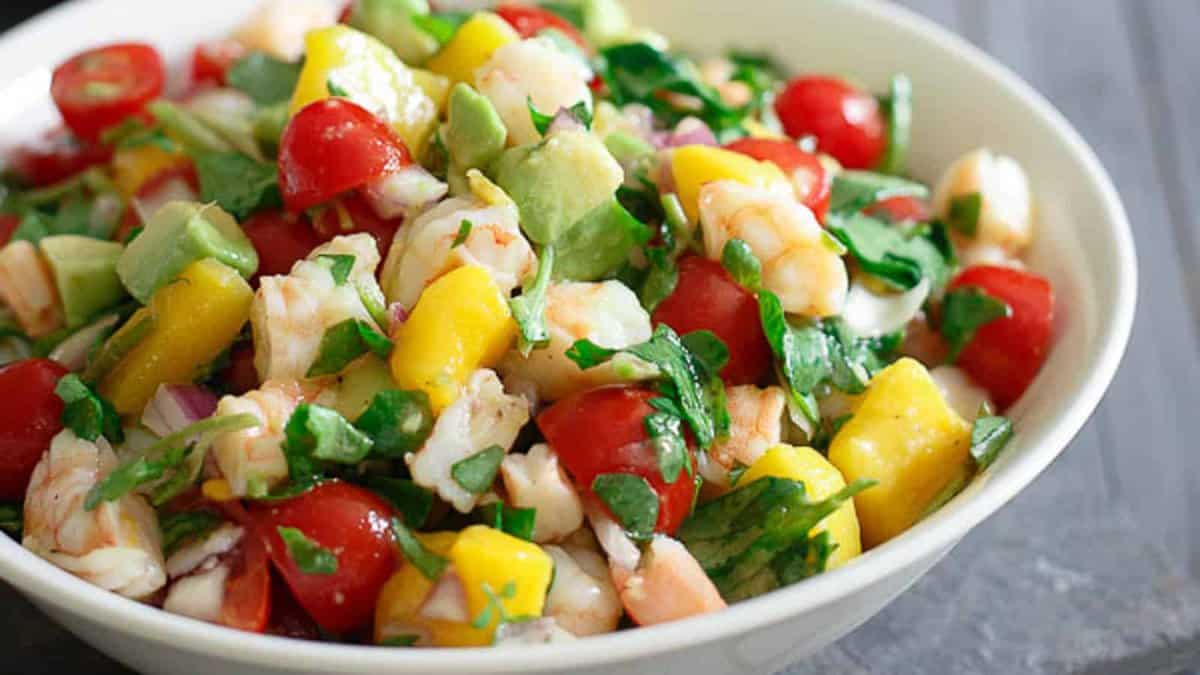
240, 376
1006, 354
280, 239
30, 416
362, 218
707, 298
332, 146
247, 604
356, 526
846, 122
902, 210
528, 21
211, 61
791, 159
8, 224
99, 88
603, 431
56, 157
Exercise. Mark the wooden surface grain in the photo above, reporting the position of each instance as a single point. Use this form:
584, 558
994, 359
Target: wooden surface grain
1096, 567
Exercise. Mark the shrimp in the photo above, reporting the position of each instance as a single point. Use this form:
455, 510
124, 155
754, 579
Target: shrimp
28, 288
535, 480
425, 250
279, 26
201, 595
667, 585
252, 460
532, 70
483, 416
1006, 201
607, 313
797, 265
116, 545
582, 598
756, 417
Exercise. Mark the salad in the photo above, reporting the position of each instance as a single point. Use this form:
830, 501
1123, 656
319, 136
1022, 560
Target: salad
456, 326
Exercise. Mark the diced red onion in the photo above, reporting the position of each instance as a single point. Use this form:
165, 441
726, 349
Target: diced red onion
564, 121
176, 406
397, 315
690, 131
393, 195
72, 353
174, 190
447, 601
641, 118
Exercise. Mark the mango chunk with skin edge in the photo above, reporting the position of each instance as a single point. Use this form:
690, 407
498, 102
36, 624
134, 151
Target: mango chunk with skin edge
195, 318
907, 438
821, 480
461, 323
693, 166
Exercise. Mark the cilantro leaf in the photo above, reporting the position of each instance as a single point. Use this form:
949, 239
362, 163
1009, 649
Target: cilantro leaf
898, 108
529, 308
854, 191
476, 473
580, 112
661, 279
32, 228
739, 260
183, 526
515, 521
708, 349
966, 310
316, 434
901, 258
440, 26
756, 538
308, 556
340, 266
345, 342
666, 432
638, 73
266, 79
631, 500
587, 354
964, 213
85, 413
428, 563
398, 421
239, 184
464, 231
989, 435
412, 501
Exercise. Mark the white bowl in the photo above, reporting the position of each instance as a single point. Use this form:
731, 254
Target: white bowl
963, 100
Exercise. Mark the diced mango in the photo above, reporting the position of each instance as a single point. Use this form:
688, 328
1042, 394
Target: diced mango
471, 47
821, 480
695, 165
495, 566
906, 437
436, 87
217, 490
372, 76
134, 167
461, 323
397, 611
195, 319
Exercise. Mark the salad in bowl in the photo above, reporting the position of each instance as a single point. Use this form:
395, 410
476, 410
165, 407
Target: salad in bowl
461, 326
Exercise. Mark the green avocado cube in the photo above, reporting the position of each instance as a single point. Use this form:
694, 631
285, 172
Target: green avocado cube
179, 234
391, 21
85, 271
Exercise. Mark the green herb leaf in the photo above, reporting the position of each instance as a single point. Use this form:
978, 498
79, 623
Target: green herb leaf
412, 501
988, 437
580, 112
476, 473
666, 432
587, 354
129, 476
441, 26
756, 538
854, 191
708, 349
541, 121
398, 421
316, 434
336, 89
901, 258
308, 556
495, 605
237, 183
340, 266
464, 231
184, 526
515, 521
405, 640
661, 280
345, 342
631, 500
85, 413
33, 228
529, 308
898, 108
964, 213
266, 79
736, 473
117, 347
638, 73
964, 311
739, 260
428, 563
12, 520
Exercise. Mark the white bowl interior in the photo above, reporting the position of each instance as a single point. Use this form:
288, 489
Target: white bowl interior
963, 100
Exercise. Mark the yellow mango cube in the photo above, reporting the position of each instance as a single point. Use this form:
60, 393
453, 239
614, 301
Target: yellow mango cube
134, 167
499, 568
821, 481
397, 611
695, 165
472, 45
461, 323
195, 318
906, 437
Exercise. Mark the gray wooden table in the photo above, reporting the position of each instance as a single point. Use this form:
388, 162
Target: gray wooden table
1096, 567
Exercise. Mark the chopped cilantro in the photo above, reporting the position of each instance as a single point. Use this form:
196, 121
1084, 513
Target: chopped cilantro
515, 521
898, 108
428, 563
398, 421
631, 500
308, 556
266, 79
964, 311
315, 434
239, 184
464, 231
346, 341
181, 527
988, 437
412, 501
340, 266
476, 473
85, 413
964, 213
529, 308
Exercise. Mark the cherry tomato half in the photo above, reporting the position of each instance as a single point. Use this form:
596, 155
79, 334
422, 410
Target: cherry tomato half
8, 224
56, 157
30, 415
211, 61
528, 21
352, 523
846, 122
333, 146
240, 376
603, 431
356, 215
101, 87
902, 210
707, 298
280, 240
247, 604
814, 184
1006, 354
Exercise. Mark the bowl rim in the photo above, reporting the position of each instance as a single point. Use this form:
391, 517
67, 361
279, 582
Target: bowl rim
52, 585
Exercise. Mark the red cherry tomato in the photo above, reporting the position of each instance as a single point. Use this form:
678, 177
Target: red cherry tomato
528, 21
603, 431
288, 618
56, 157
901, 210
247, 604
707, 298
30, 415
1006, 354
212, 60
352, 523
8, 224
347, 12
356, 215
333, 146
805, 169
240, 376
101, 87
280, 240
846, 122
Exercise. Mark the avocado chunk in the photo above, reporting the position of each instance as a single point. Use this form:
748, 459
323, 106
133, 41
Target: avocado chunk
558, 181
85, 271
598, 245
627, 148
475, 134
391, 22
179, 234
